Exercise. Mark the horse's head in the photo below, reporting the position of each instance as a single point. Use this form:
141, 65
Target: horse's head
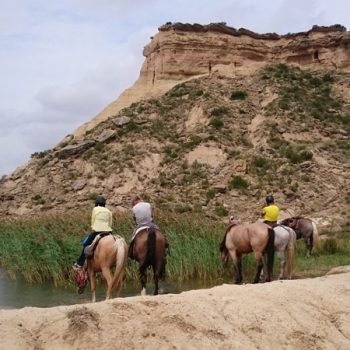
81, 280
287, 222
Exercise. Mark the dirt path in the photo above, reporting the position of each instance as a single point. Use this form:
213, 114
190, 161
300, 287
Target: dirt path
299, 314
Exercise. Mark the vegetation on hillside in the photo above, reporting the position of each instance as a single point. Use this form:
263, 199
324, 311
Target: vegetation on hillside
305, 119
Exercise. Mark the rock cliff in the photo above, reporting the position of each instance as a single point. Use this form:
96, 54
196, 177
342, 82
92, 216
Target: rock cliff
179, 52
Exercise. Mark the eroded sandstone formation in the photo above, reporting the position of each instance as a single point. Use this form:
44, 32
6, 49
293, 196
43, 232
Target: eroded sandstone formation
179, 52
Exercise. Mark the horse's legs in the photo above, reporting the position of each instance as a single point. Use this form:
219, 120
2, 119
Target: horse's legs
308, 243
143, 280
237, 263
259, 266
282, 258
119, 283
106, 272
311, 242
156, 278
92, 285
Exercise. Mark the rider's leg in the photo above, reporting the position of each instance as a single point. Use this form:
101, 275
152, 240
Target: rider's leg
81, 260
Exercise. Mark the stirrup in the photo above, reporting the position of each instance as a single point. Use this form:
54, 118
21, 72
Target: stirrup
76, 267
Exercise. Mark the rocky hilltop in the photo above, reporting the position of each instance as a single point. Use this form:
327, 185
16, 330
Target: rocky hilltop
218, 118
179, 52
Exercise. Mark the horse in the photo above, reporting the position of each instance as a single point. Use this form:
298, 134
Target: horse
285, 238
243, 239
111, 251
149, 250
305, 229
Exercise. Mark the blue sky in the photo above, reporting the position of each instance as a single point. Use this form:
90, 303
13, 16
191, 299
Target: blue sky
61, 62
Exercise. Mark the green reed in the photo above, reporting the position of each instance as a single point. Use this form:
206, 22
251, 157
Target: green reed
45, 248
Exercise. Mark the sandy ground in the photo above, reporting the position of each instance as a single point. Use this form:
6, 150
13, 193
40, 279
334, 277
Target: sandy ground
298, 314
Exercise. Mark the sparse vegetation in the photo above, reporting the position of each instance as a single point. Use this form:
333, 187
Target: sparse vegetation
238, 182
238, 95
216, 123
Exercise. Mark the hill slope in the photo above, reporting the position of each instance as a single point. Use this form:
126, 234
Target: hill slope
214, 143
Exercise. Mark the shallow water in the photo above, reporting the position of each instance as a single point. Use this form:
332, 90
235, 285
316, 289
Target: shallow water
15, 294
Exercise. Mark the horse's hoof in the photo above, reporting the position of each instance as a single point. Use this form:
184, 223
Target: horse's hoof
143, 292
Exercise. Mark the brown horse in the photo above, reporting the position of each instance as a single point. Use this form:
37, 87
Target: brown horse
305, 229
149, 251
242, 239
111, 251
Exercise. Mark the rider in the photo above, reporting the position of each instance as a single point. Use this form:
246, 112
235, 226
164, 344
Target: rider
101, 221
142, 214
270, 212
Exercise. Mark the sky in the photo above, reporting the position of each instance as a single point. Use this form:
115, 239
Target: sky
62, 62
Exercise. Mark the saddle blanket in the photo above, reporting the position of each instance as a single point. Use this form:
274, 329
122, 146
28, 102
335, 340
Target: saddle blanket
139, 229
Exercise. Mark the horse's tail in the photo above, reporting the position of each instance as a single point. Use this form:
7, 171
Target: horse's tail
162, 269
270, 250
121, 261
315, 236
151, 250
291, 252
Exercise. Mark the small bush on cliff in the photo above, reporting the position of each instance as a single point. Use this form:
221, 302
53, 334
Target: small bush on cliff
238, 182
218, 111
238, 95
216, 123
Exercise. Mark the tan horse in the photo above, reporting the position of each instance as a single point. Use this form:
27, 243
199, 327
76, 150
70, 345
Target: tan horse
243, 239
149, 251
111, 251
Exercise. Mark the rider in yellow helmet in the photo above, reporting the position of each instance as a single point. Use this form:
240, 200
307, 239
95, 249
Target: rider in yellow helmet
270, 211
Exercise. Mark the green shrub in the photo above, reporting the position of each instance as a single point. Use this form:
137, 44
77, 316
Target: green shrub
221, 211
259, 162
211, 193
217, 111
40, 154
238, 95
132, 127
297, 157
183, 208
329, 246
238, 182
99, 147
216, 123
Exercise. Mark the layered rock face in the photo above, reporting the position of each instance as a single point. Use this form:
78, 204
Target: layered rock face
179, 52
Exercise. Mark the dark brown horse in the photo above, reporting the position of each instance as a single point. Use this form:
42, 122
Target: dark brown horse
305, 229
149, 251
111, 251
243, 239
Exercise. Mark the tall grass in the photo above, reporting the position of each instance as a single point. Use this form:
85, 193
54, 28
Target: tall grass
45, 248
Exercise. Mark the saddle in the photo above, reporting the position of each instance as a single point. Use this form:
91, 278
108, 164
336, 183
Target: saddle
90, 249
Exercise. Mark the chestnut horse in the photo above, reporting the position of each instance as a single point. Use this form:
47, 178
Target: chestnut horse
111, 251
149, 251
305, 229
243, 239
